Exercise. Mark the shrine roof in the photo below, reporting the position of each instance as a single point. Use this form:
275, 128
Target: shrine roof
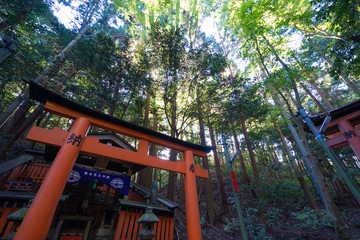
41, 94
336, 112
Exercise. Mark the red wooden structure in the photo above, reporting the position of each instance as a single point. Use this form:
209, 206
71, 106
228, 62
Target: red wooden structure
344, 128
129, 213
38, 219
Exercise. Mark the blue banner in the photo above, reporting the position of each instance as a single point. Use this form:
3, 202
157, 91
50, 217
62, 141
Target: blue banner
120, 183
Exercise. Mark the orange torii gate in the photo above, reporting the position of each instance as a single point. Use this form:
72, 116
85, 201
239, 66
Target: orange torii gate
37, 222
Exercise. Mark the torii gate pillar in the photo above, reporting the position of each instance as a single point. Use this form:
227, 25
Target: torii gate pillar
43, 208
191, 202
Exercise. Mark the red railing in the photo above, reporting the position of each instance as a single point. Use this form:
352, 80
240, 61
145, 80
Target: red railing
34, 172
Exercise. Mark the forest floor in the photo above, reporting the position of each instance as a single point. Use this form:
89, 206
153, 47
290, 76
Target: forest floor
290, 220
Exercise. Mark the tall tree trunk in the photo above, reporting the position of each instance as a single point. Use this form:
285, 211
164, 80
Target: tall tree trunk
223, 198
115, 103
244, 174
322, 108
250, 150
308, 157
50, 69
208, 187
145, 175
275, 163
300, 178
173, 153
264, 160
27, 123
314, 85
347, 80
301, 141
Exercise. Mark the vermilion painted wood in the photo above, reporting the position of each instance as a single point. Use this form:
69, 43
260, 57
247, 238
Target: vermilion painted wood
156, 227
354, 141
119, 225
38, 219
167, 228
159, 229
136, 227
163, 227
36, 172
191, 201
7, 230
66, 112
350, 116
44, 205
5, 212
171, 233
92, 146
338, 140
126, 224
130, 226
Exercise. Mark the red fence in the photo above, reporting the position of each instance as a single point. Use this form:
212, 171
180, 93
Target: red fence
34, 172
130, 229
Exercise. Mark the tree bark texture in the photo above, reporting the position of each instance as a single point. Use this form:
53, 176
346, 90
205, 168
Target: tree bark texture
250, 150
207, 182
244, 174
223, 198
300, 178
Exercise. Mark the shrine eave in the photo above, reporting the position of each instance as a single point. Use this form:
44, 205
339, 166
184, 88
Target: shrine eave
41, 94
336, 112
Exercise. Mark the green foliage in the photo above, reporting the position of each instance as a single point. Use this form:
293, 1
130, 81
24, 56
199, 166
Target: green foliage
286, 193
274, 216
232, 225
158, 48
255, 228
309, 218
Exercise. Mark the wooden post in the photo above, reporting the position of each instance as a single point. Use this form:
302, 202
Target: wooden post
87, 230
37, 221
191, 200
119, 226
57, 229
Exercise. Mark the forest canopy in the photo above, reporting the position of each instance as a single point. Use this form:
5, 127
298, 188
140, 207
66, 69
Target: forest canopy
198, 70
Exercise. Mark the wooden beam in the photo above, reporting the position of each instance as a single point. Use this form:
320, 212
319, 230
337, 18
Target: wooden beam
349, 117
91, 145
69, 113
338, 140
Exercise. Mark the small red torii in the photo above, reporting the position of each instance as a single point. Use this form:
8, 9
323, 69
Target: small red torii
37, 221
344, 127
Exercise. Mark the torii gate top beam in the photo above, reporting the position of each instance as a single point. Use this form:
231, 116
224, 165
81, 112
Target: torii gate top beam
56, 104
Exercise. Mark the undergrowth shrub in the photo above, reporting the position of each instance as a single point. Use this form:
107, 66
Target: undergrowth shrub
286, 193
309, 218
274, 216
255, 228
